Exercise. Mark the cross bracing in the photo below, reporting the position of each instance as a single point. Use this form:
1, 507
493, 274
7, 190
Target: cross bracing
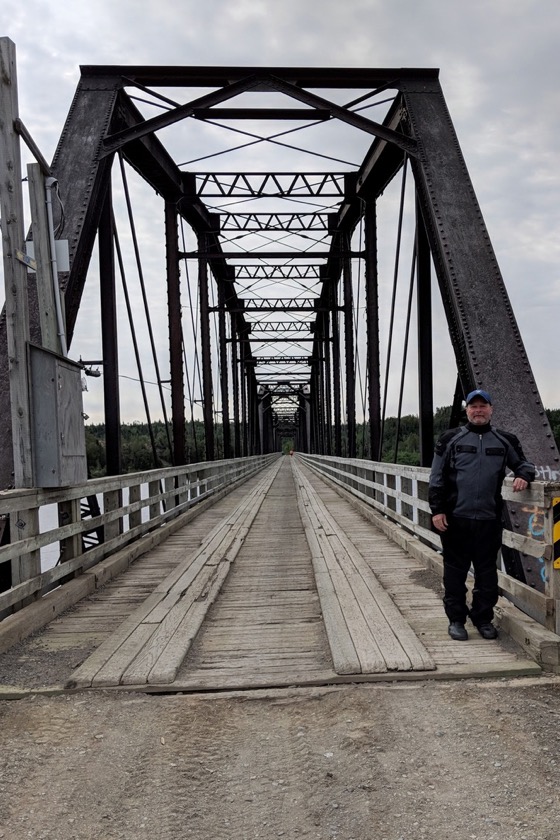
273, 222
277, 272
267, 184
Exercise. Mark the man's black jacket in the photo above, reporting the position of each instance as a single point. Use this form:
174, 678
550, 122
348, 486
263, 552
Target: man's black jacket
469, 467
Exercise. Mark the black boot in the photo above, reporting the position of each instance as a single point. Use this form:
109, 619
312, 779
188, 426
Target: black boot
457, 631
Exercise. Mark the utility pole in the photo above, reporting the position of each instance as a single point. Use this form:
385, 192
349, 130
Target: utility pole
15, 269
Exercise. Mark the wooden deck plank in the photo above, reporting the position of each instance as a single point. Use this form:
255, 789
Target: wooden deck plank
376, 621
171, 601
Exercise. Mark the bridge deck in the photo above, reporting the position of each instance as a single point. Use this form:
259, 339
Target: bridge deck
280, 583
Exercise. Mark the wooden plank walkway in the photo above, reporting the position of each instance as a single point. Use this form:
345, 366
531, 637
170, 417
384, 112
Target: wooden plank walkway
280, 583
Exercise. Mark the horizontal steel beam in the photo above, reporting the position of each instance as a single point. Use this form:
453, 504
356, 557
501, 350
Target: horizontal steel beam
212, 76
267, 255
304, 114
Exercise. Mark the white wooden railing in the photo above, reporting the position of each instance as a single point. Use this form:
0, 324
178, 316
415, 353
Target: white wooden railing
133, 509
400, 494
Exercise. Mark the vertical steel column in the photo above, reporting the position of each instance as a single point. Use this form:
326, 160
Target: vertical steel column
319, 390
109, 333
235, 384
175, 334
265, 422
349, 348
372, 328
327, 378
253, 408
425, 364
314, 411
203, 245
244, 375
336, 370
224, 379
256, 436
269, 438
302, 438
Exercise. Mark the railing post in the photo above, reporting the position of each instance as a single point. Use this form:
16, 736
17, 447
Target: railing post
154, 507
134, 495
69, 512
25, 524
112, 500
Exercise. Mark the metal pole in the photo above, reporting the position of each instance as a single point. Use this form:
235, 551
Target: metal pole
235, 382
327, 380
224, 382
372, 328
205, 342
336, 372
349, 349
175, 335
425, 365
243, 349
109, 333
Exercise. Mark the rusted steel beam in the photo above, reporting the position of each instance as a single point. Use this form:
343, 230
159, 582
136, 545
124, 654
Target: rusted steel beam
175, 335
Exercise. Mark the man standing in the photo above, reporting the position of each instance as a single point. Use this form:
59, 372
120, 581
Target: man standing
465, 499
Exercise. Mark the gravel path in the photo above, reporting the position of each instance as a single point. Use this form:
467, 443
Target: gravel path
459, 760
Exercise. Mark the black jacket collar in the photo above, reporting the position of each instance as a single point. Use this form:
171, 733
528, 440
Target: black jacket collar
479, 430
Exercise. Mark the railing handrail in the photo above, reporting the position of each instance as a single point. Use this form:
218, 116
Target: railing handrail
155, 497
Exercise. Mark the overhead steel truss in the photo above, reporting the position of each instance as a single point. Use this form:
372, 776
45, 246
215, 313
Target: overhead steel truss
109, 118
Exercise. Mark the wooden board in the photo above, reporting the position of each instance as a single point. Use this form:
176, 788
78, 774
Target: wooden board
157, 636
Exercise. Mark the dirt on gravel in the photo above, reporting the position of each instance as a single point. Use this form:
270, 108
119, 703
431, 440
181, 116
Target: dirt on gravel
462, 760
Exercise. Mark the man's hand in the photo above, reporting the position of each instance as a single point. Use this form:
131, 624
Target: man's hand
519, 484
440, 521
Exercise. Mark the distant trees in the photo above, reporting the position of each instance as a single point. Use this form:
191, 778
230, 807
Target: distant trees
142, 451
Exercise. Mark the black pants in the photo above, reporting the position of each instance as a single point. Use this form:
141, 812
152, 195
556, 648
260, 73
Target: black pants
466, 542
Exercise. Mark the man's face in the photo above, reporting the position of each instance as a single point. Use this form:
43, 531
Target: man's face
479, 412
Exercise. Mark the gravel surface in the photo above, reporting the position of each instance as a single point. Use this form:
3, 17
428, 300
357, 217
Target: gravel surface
467, 760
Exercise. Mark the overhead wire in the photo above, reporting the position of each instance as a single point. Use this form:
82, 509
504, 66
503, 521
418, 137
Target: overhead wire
145, 299
134, 341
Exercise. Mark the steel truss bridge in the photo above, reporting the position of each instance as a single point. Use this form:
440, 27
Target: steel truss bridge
278, 261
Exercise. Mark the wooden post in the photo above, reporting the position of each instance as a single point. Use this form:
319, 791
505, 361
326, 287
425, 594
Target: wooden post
15, 271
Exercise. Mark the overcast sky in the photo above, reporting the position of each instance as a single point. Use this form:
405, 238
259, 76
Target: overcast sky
499, 63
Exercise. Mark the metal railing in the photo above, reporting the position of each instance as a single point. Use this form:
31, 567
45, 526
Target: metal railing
399, 493
132, 509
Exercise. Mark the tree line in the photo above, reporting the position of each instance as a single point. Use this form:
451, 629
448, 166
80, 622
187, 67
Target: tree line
145, 447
